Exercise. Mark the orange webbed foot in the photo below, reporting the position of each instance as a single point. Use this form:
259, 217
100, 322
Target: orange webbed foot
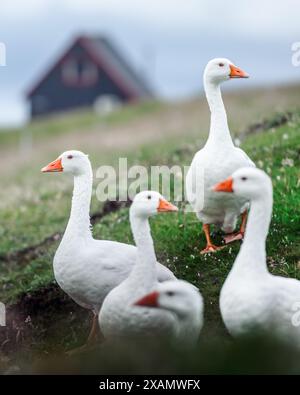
233, 237
211, 248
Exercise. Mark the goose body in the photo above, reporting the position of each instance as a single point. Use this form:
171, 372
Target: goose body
218, 159
251, 297
216, 165
120, 315
85, 271
85, 268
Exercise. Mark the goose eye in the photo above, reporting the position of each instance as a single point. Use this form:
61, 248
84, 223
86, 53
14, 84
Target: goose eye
170, 293
70, 156
221, 64
243, 178
149, 197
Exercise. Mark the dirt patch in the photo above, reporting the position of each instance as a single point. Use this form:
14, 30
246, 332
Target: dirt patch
278, 120
42, 322
31, 331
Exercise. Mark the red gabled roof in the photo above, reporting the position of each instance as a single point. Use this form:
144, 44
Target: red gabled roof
105, 55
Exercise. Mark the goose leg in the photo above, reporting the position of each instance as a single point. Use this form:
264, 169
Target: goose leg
210, 247
93, 336
240, 234
95, 330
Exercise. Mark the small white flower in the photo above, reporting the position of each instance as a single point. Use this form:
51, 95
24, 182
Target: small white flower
285, 136
287, 162
260, 164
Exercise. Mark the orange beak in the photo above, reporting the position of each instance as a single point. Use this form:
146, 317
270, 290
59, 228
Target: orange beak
235, 72
224, 186
54, 166
165, 206
150, 300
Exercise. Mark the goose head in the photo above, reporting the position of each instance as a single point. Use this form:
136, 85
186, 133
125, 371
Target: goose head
179, 297
74, 162
248, 183
148, 203
221, 69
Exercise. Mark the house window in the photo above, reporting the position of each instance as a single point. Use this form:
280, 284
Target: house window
79, 72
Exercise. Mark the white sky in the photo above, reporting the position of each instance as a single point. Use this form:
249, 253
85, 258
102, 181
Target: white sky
170, 40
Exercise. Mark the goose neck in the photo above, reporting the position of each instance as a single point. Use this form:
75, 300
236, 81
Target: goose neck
219, 132
252, 255
145, 269
79, 222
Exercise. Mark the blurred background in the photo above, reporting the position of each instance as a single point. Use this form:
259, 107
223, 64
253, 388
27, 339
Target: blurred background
167, 42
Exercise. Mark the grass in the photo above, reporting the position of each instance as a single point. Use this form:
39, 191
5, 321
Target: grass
274, 146
178, 238
63, 124
47, 215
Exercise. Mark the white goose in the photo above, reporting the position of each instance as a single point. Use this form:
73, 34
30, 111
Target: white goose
85, 268
217, 160
251, 297
120, 316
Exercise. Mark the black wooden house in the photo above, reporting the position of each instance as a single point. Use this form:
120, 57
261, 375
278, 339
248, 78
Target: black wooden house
91, 69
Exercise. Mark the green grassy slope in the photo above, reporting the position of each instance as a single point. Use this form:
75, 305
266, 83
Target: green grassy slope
274, 150
41, 210
78, 120
33, 206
